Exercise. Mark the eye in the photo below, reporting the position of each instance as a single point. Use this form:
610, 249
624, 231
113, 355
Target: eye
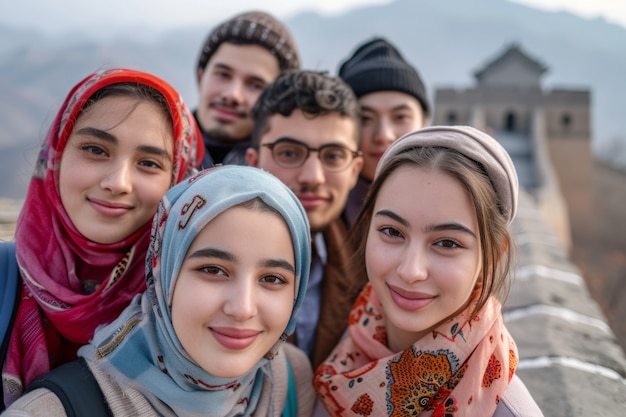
150, 164
448, 243
93, 149
289, 152
221, 74
390, 231
273, 279
334, 155
212, 270
402, 117
365, 119
256, 85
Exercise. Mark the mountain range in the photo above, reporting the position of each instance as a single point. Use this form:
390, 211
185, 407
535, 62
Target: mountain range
446, 41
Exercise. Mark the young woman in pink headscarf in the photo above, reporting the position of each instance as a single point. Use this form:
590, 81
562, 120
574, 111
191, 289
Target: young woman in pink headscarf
120, 140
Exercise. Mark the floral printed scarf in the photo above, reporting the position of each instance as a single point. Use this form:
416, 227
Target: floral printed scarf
462, 369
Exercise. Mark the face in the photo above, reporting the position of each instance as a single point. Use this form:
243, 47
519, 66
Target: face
116, 167
232, 301
231, 83
323, 194
385, 116
422, 252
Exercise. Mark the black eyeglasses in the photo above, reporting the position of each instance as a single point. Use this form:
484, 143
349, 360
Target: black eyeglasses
291, 153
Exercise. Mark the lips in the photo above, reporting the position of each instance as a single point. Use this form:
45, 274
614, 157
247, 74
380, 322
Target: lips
109, 208
227, 114
376, 155
234, 338
310, 201
410, 300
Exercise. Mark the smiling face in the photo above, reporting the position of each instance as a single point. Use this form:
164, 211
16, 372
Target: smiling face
385, 116
231, 83
422, 253
235, 291
322, 193
116, 167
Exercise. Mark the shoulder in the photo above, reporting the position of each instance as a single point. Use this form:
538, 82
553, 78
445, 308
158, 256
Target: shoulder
517, 401
39, 402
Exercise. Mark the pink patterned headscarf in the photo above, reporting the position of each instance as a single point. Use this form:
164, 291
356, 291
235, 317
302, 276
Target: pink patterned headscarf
54, 315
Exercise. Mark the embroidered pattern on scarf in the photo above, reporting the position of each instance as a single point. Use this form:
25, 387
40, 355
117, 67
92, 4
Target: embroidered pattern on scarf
462, 368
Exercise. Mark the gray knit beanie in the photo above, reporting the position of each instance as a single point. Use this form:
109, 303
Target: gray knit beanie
257, 28
377, 65
474, 144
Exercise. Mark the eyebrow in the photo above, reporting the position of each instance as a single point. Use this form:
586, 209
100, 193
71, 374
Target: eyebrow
112, 139
430, 228
231, 69
343, 145
402, 106
227, 256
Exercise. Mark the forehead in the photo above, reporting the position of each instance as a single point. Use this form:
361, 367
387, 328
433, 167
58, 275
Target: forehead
387, 101
248, 59
314, 131
427, 194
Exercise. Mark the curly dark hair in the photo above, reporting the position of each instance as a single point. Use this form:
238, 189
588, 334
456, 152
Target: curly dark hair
314, 93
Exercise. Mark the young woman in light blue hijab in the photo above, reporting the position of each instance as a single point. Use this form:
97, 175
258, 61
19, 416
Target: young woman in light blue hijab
226, 270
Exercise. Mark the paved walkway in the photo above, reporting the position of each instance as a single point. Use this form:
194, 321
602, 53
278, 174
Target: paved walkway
569, 357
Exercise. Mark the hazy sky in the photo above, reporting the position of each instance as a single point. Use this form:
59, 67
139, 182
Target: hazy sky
55, 16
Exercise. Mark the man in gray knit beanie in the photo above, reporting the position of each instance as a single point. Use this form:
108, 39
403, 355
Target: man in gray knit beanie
393, 101
239, 57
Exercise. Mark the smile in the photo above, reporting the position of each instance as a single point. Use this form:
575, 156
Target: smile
108, 208
409, 300
233, 338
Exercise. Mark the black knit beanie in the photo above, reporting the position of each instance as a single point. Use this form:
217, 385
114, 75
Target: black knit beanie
377, 65
253, 27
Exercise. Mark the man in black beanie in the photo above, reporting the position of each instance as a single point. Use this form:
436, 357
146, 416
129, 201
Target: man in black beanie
239, 58
392, 101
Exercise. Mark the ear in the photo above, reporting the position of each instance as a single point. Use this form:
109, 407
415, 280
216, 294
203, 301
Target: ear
252, 157
357, 166
200, 72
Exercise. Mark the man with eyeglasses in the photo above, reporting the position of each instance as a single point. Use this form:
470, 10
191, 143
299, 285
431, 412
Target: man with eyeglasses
306, 130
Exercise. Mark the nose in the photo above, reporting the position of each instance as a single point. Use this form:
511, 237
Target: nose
384, 132
241, 301
312, 172
413, 264
118, 180
233, 92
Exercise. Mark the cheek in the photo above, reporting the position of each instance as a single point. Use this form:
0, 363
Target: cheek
151, 192
278, 311
374, 258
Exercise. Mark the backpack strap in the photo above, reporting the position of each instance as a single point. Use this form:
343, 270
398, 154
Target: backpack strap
291, 405
8, 287
9, 296
77, 388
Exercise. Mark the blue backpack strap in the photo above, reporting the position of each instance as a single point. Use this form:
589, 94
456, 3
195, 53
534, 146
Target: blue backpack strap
291, 404
77, 388
9, 295
8, 285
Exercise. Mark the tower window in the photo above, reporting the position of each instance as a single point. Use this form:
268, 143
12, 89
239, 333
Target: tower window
509, 122
566, 120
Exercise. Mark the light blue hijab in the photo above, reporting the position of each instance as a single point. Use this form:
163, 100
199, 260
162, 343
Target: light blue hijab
140, 349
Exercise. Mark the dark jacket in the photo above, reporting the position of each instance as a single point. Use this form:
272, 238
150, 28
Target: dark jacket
340, 288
